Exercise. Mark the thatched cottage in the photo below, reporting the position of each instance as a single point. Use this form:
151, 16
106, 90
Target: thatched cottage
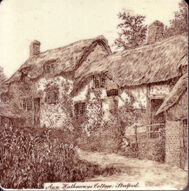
41, 86
116, 100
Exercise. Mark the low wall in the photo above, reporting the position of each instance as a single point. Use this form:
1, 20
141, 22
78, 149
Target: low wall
176, 146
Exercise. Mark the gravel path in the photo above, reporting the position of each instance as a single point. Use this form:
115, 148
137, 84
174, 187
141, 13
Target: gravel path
148, 173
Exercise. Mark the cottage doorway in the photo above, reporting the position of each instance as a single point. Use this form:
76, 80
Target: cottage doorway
157, 121
157, 130
36, 111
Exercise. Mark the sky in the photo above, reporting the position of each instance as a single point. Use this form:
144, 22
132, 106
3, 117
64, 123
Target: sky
56, 23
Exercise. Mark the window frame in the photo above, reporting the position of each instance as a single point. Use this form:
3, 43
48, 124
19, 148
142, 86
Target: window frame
27, 103
52, 95
49, 66
79, 109
99, 81
112, 92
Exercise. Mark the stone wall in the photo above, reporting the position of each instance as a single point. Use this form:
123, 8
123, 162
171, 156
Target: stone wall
176, 147
176, 133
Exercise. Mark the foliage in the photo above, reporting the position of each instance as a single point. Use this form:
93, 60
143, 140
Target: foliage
132, 31
179, 24
29, 157
93, 118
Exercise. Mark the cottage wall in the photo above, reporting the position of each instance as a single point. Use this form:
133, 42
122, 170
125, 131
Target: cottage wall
176, 133
159, 90
132, 105
55, 115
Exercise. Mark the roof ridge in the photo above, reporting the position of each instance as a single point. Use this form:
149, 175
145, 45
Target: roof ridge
99, 37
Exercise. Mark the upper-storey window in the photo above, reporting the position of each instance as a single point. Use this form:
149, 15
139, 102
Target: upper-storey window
52, 95
24, 73
79, 109
49, 66
99, 81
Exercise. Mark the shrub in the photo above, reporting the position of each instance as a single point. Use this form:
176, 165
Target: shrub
29, 157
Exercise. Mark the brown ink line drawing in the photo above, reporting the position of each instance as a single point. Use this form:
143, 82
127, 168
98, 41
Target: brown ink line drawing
83, 115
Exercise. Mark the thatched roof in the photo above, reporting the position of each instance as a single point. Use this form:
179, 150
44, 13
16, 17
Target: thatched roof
178, 90
67, 58
157, 62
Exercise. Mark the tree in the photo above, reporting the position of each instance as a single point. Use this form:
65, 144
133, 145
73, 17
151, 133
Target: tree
132, 31
179, 24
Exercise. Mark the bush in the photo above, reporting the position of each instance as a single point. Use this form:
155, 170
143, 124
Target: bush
103, 139
29, 157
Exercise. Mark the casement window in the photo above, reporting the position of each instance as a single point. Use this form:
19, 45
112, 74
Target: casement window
112, 92
52, 95
79, 109
24, 74
49, 66
99, 81
27, 104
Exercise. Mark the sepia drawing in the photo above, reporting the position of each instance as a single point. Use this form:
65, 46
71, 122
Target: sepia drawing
93, 115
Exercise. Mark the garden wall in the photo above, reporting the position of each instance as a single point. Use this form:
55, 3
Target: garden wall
176, 143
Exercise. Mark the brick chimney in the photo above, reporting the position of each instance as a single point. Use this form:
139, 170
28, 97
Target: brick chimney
155, 32
34, 48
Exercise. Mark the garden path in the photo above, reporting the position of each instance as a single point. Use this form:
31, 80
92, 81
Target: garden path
147, 173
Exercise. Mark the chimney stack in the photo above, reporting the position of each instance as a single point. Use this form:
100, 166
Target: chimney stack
155, 32
34, 48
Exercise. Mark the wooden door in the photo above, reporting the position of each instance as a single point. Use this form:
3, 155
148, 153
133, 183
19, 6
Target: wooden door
157, 121
37, 111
